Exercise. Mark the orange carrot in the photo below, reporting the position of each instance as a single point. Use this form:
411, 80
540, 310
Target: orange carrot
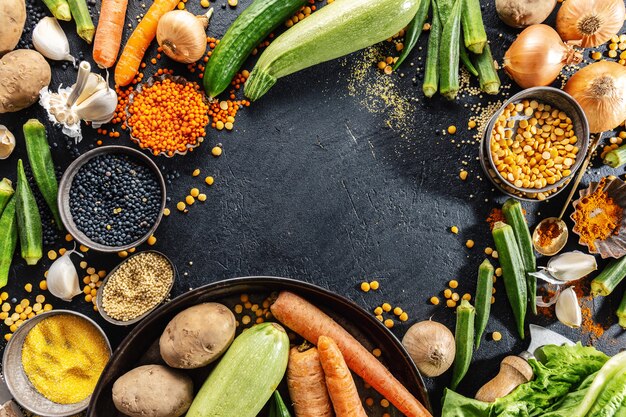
341, 388
139, 41
310, 322
307, 387
109, 33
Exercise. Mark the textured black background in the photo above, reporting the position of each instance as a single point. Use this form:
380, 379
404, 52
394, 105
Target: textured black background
313, 186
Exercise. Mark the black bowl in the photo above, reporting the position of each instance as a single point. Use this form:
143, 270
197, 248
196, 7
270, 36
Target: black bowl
139, 346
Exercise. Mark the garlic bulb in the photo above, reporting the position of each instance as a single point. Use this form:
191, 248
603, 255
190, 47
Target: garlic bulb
62, 278
90, 99
7, 142
569, 266
431, 346
50, 40
182, 35
567, 308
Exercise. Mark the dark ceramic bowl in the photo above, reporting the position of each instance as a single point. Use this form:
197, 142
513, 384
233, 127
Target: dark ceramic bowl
140, 347
66, 183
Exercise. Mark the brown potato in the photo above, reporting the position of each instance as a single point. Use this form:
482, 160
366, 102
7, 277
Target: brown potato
23, 73
153, 391
197, 336
12, 19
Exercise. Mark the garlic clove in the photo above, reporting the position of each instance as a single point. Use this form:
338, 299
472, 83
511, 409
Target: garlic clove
568, 309
62, 278
94, 84
7, 142
50, 40
99, 108
566, 267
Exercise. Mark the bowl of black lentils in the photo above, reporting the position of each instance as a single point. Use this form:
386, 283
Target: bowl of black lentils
112, 198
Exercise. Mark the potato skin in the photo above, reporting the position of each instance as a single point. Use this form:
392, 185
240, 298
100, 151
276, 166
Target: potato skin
23, 73
197, 336
12, 19
153, 391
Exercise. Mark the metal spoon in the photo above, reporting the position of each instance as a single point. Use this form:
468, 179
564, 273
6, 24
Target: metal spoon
558, 243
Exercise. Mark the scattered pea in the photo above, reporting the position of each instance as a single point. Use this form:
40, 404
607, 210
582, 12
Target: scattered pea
52, 255
166, 212
378, 311
453, 283
386, 307
455, 297
389, 323
452, 129
377, 352
151, 240
454, 230
196, 172
463, 174
374, 285
404, 316
180, 206
451, 303
467, 297
194, 192
216, 151
434, 300
201, 197
28, 287
447, 293
365, 287
469, 243
209, 180
496, 336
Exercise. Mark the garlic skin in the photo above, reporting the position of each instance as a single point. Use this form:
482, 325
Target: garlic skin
7, 142
431, 346
90, 99
63, 279
50, 40
183, 35
566, 267
568, 310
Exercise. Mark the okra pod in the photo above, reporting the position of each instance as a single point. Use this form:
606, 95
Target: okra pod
464, 340
59, 9
28, 219
449, 51
487, 74
467, 62
484, 291
475, 36
413, 32
609, 278
84, 24
278, 407
513, 272
621, 312
616, 158
431, 70
6, 192
42, 166
8, 240
444, 7
512, 210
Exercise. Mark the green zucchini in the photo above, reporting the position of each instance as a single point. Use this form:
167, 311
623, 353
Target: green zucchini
42, 166
621, 312
431, 70
28, 219
474, 35
616, 158
278, 407
449, 53
609, 278
8, 240
482, 299
413, 32
340, 28
487, 74
464, 340
246, 376
253, 25
512, 210
6, 192
513, 272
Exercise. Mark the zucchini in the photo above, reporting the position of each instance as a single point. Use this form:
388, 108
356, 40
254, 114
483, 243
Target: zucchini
487, 74
253, 25
6, 192
609, 278
8, 240
484, 288
42, 166
28, 219
464, 340
340, 28
413, 32
431, 70
512, 210
449, 53
474, 35
278, 407
621, 312
246, 376
513, 272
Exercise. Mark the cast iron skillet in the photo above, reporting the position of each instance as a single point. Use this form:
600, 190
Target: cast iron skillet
141, 345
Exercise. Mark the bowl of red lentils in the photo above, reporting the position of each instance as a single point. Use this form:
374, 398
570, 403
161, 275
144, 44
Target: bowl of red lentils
535, 143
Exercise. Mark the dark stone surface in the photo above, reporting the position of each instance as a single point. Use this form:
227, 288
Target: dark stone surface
313, 186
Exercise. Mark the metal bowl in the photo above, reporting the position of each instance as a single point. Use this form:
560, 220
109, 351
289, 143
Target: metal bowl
21, 388
138, 318
558, 99
66, 183
141, 345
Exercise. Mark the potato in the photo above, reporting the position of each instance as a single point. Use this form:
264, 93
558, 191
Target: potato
12, 19
153, 391
523, 13
197, 336
23, 73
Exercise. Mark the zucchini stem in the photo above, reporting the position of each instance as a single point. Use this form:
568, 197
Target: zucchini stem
258, 84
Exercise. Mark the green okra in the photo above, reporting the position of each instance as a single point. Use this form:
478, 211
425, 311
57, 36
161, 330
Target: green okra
464, 340
484, 288
431, 70
28, 219
8, 240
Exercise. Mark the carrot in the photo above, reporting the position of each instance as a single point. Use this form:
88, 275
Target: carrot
341, 388
310, 322
139, 41
109, 32
307, 387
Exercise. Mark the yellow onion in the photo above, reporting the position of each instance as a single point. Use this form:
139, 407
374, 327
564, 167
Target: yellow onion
182, 35
537, 56
600, 89
592, 22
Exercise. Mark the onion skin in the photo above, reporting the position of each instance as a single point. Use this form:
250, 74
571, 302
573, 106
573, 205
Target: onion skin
182, 36
600, 89
431, 346
573, 14
537, 57
523, 13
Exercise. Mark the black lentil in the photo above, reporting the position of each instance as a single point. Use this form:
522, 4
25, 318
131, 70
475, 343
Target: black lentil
114, 199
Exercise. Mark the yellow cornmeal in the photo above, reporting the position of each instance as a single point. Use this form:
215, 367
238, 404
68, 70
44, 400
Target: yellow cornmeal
63, 357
